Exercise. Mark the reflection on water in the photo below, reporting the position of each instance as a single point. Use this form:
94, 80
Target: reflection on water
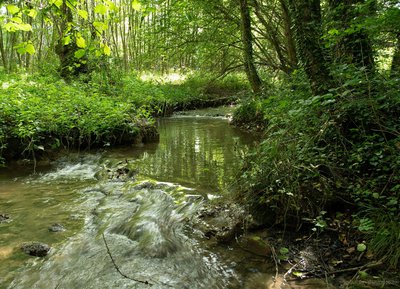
147, 227
198, 152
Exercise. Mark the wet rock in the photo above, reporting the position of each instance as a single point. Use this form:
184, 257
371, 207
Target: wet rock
255, 245
36, 249
145, 185
307, 261
4, 218
120, 172
56, 228
224, 223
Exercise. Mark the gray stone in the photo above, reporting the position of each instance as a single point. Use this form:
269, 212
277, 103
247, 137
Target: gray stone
56, 228
36, 249
4, 218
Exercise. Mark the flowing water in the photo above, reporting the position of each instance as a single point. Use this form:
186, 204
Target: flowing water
131, 232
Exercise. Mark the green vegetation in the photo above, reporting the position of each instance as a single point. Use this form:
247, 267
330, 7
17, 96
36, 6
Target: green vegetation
44, 113
320, 78
41, 114
331, 144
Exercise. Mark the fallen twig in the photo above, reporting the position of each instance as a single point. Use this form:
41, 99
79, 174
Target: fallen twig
117, 268
359, 268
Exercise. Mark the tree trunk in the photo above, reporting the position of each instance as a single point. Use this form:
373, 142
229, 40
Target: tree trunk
306, 15
69, 65
355, 47
290, 44
247, 39
3, 51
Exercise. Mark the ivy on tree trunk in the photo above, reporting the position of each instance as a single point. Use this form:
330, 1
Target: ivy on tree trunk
306, 15
247, 39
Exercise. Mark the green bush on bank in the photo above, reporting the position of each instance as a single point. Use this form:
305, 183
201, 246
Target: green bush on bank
41, 113
327, 153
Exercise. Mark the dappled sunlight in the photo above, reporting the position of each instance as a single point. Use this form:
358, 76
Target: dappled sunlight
172, 77
5, 252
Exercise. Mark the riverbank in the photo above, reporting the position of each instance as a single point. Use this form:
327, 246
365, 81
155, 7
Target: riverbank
328, 165
290, 258
40, 115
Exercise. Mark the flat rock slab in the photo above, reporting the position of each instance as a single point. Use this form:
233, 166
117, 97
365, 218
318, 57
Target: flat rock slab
35, 249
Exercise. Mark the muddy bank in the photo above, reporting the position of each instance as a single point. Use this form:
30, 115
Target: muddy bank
51, 145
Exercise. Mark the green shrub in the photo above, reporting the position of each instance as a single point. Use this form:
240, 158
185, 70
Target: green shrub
324, 152
39, 113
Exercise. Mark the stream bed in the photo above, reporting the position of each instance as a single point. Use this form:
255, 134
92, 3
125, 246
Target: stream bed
126, 215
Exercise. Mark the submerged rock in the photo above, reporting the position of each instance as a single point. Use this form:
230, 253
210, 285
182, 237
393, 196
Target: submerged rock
4, 218
56, 227
36, 249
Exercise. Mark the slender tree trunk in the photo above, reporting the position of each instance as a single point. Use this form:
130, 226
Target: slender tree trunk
2, 51
306, 15
290, 43
247, 39
40, 49
11, 60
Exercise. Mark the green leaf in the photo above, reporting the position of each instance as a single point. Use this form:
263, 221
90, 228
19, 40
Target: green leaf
136, 5
363, 274
283, 250
30, 49
33, 13
100, 26
79, 53
21, 49
66, 40
12, 9
107, 50
57, 3
11, 27
361, 247
333, 32
101, 9
71, 4
16, 20
80, 42
298, 274
24, 27
83, 14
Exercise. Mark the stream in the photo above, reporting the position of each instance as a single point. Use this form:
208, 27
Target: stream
127, 214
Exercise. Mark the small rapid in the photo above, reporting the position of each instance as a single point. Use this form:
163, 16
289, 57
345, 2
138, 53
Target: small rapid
134, 217
135, 234
128, 213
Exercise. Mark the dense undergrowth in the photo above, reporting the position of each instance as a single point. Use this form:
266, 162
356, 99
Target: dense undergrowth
326, 156
42, 113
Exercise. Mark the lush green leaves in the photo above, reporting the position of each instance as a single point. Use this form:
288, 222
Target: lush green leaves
12, 9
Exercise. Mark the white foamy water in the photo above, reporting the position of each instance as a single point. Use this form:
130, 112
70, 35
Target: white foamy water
132, 235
